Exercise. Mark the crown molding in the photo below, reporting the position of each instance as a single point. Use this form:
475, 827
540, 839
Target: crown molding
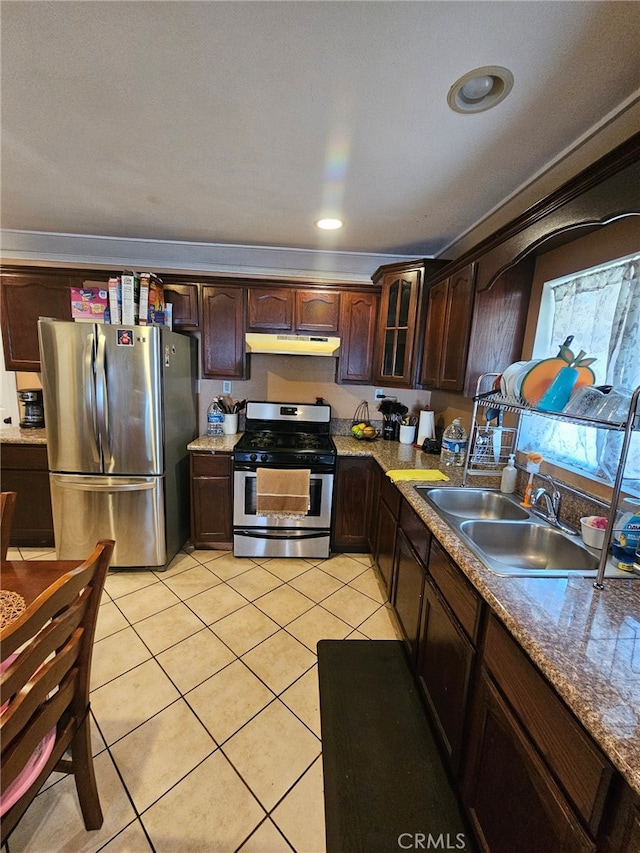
87, 250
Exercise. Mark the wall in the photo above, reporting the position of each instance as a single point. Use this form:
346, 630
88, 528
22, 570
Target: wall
301, 379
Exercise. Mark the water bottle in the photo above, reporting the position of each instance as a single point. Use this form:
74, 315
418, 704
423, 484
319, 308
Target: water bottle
215, 419
454, 444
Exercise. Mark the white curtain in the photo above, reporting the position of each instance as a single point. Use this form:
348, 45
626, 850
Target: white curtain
623, 368
602, 310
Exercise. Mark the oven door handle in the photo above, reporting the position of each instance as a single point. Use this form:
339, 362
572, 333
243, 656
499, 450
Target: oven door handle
252, 467
268, 534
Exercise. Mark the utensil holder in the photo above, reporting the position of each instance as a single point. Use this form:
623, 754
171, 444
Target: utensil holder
230, 424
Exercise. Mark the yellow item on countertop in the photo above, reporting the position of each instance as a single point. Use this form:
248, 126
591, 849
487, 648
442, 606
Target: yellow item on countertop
415, 474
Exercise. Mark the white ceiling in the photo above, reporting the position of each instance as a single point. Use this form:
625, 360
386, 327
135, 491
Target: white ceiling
243, 122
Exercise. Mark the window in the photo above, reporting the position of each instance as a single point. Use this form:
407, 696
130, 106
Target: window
601, 308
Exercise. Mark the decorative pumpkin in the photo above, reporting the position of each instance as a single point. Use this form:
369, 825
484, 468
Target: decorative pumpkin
542, 374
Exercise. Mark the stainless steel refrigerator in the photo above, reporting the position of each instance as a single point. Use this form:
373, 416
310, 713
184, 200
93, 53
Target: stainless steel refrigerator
120, 409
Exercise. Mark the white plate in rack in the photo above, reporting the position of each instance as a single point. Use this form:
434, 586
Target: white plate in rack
507, 381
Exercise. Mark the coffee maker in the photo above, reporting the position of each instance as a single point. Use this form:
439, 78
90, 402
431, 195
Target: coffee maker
31, 409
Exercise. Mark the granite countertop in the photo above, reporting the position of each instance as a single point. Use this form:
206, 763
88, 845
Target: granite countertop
15, 435
217, 444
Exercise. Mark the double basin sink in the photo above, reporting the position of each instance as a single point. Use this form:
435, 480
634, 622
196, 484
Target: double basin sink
508, 539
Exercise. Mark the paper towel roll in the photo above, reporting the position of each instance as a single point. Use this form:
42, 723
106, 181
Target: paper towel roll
426, 427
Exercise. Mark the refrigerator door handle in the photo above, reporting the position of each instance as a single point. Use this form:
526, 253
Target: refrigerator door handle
89, 396
102, 403
92, 484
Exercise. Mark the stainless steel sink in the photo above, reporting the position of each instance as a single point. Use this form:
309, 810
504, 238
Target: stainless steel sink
528, 548
509, 540
473, 503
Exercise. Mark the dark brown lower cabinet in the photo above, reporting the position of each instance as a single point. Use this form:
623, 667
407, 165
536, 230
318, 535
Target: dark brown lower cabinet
445, 665
386, 545
407, 597
387, 528
352, 501
25, 470
211, 501
530, 776
621, 824
512, 800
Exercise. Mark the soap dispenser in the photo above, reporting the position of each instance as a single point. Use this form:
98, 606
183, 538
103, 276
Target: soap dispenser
508, 481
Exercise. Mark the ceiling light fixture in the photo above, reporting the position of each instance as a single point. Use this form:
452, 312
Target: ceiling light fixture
480, 89
329, 224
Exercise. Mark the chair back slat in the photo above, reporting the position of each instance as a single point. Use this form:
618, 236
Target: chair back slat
46, 687
34, 694
52, 638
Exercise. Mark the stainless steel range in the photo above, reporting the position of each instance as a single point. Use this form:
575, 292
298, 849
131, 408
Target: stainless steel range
285, 436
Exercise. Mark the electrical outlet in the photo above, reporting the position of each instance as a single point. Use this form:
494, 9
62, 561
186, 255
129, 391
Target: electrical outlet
379, 395
226, 386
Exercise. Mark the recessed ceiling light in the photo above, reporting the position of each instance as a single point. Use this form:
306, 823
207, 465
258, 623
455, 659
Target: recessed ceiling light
480, 89
329, 224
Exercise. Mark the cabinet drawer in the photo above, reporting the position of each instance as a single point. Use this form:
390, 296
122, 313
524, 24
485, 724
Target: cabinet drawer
577, 763
463, 600
390, 495
211, 464
415, 530
25, 456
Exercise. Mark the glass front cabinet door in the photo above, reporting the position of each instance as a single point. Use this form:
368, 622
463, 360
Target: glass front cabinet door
398, 323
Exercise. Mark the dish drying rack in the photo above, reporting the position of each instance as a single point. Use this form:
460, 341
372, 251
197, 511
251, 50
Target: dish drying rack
476, 462
489, 446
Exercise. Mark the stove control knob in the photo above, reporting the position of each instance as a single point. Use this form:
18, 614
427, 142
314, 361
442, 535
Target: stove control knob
253, 457
263, 457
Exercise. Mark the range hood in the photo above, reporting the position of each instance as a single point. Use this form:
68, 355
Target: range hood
292, 344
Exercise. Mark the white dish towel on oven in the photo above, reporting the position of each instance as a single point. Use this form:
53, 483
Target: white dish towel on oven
282, 493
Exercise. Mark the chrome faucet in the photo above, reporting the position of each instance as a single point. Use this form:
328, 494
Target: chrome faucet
551, 498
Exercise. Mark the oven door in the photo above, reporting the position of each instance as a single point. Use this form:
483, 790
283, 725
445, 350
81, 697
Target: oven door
244, 504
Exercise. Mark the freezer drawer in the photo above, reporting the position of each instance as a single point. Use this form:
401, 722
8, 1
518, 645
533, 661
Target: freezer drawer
129, 510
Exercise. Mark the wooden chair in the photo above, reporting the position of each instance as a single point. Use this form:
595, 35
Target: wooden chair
44, 691
7, 507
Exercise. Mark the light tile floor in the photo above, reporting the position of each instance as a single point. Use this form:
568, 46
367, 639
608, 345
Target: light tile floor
204, 695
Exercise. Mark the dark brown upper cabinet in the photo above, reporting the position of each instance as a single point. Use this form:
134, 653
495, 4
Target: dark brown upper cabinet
26, 296
184, 300
317, 311
223, 348
358, 316
446, 338
397, 326
400, 323
281, 309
